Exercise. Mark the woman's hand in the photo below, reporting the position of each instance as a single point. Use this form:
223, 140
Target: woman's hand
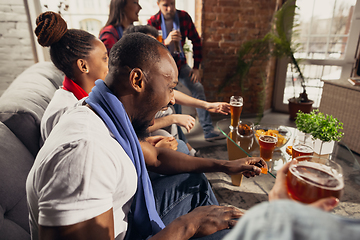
279, 191
184, 120
168, 142
164, 142
154, 139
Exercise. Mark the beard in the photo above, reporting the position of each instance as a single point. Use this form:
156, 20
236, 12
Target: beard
141, 128
170, 15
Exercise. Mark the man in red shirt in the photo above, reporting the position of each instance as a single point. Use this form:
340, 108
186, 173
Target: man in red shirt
176, 26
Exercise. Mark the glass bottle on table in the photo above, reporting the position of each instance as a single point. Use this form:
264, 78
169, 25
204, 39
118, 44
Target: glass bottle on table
234, 152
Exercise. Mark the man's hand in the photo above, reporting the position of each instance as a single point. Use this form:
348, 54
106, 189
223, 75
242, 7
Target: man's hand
218, 107
279, 191
214, 218
195, 75
202, 221
174, 36
247, 166
184, 120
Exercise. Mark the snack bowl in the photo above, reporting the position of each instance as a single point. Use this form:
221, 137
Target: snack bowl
283, 133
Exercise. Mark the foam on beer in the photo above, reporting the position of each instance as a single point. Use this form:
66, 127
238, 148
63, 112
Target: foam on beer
236, 104
318, 174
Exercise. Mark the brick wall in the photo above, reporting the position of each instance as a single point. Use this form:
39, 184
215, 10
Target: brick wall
225, 25
15, 45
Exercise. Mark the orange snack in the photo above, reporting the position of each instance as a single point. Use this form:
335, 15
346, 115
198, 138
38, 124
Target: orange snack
264, 170
289, 150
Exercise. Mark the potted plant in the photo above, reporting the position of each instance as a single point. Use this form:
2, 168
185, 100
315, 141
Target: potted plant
324, 128
277, 43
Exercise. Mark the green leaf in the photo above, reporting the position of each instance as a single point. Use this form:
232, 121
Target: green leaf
320, 126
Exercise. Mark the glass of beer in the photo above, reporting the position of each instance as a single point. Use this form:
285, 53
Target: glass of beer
267, 145
236, 105
177, 47
159, 37
303, 145
311, 178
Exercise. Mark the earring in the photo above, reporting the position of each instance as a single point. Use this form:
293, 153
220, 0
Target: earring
87, 70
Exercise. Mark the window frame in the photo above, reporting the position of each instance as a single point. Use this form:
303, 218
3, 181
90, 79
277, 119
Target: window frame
346, 63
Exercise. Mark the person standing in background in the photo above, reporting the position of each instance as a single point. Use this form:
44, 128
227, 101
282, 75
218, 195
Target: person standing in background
122, 14
176, 26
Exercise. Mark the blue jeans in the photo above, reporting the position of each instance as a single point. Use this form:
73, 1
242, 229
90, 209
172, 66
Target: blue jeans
182, 147
197, 91
177, 195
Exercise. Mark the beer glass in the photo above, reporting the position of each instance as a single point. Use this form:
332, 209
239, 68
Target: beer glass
267, 145
243, 135
177, 47
311, 178
236, 105
159, 37
303, 145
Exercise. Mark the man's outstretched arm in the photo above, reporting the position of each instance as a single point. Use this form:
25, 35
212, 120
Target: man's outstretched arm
166, 161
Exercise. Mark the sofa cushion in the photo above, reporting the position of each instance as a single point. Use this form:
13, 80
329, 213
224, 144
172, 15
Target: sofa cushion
23, 104
15, 164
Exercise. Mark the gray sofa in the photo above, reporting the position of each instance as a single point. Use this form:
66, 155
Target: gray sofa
21, 108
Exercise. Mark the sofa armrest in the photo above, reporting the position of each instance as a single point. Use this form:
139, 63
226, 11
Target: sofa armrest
23, 104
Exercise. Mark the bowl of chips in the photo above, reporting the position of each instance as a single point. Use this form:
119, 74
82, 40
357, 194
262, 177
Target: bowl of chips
283, 133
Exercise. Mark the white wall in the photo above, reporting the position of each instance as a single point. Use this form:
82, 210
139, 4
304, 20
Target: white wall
15, 43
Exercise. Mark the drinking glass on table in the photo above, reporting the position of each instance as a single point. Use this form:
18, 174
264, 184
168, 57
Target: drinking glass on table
267, 145
303, 145
311, 178
236, 105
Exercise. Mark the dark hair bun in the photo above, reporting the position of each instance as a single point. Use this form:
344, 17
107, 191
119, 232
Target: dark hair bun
50, 28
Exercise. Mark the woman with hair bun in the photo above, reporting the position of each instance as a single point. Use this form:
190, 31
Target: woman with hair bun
80, 55
122, 14
84, 59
